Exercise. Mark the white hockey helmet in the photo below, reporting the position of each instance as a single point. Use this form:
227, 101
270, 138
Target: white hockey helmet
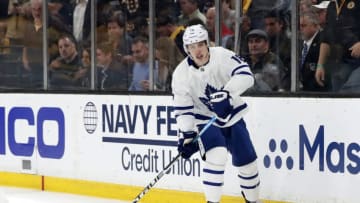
194, 34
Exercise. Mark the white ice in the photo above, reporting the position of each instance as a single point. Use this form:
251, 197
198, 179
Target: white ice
21, 195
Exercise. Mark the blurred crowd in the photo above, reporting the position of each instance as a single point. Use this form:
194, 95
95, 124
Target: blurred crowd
330, 46
328, 54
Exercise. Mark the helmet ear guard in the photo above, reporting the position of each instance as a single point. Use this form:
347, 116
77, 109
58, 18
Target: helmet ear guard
194, 34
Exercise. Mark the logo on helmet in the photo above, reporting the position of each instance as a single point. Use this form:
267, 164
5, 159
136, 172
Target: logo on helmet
194, 34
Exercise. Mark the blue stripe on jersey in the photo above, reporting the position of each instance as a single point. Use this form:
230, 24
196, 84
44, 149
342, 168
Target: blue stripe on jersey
184, 114
233, 113
238, 68
243, 73
202, 117
238, 109
249, 177
237, 58
205, 170
250, 187
181, 108
212, 184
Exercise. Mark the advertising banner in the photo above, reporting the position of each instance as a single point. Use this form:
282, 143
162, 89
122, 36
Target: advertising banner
308, 148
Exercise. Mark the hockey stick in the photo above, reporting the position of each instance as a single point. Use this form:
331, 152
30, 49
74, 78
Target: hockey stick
161, 174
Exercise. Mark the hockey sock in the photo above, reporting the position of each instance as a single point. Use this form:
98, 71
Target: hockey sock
249, 181
213, 173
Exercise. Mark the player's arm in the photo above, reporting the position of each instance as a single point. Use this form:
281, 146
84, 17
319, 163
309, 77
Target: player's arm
185, 118
182, 103
241, 77
184, 112
323, 55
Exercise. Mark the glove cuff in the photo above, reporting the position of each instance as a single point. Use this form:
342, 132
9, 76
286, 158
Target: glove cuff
221, 102
187, 136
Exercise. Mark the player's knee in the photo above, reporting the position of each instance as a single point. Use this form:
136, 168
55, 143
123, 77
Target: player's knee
249, 169
213, 173
217, 156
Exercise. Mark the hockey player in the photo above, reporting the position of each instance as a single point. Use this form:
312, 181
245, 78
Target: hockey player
209, 82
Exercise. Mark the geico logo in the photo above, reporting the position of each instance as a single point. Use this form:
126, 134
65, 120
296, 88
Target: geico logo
15, 133
337, 156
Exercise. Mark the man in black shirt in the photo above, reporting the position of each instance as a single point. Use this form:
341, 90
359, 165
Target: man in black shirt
341, 34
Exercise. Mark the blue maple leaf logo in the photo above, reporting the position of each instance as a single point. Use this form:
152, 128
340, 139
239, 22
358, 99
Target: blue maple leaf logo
206, 100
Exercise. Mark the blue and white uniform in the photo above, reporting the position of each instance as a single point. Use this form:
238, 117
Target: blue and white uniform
193, 88
193, 85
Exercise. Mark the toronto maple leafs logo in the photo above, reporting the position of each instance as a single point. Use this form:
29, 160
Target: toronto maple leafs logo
206, 100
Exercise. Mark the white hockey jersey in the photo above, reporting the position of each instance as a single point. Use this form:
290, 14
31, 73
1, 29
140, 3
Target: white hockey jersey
192, 86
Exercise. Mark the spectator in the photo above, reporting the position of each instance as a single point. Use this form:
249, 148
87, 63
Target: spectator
53, 49
140, 27
310, 34
4, 41
62, 11
81, 20
306, 6
245, 28
102, 14
210, 24
190, 10
111, 74
5, 58
342, 36
82, 77
169, 48
166, 27
64, 68
259, 8
118, 37
280, 43
32, 55
16, 21
320, 9
265, 65
60, 15
206, 4
167, 8
228, 14
140, 76
168, 58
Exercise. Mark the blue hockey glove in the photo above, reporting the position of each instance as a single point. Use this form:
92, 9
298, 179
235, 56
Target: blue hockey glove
220, 103
186, 146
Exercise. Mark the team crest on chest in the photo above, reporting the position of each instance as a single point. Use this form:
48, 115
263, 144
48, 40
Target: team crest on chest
206, 99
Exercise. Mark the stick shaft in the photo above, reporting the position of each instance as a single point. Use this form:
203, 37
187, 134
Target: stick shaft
162, 173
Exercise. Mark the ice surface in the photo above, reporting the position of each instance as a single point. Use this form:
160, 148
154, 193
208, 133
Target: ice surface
21, 195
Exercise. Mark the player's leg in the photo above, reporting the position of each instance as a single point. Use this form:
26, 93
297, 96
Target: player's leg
213, 173
244, 158
214, 166
249, 181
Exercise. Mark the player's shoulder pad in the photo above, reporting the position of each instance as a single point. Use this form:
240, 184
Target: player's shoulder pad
221, 51
181, 70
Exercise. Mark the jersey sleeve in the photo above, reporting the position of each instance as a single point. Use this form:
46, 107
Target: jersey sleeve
182, 101
241, 77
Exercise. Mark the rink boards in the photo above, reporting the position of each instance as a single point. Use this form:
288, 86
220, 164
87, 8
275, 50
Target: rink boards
112, 146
